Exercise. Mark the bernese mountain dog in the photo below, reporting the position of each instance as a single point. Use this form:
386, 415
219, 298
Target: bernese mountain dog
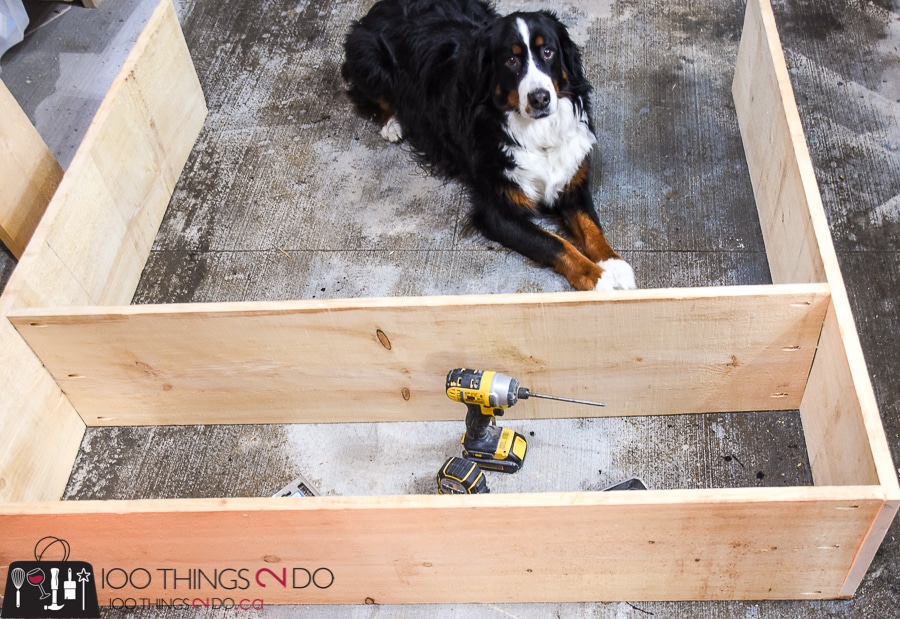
500, 104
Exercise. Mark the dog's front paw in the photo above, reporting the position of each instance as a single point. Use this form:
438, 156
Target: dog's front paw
617, 275
391, 131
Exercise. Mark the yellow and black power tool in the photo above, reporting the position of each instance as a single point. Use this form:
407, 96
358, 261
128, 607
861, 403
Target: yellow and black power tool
487, 394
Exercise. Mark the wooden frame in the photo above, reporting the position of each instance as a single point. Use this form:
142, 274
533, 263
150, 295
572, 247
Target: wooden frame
91, 359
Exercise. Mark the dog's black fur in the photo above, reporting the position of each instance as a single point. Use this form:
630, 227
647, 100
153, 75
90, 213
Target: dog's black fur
448, 75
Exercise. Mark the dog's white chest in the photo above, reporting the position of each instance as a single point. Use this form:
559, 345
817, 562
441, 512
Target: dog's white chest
548, 151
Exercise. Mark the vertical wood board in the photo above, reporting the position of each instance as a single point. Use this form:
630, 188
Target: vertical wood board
29, 174
844, 439
699, 350
40, 429
96, 235
838, 442
842, 426
92, 242
781, 173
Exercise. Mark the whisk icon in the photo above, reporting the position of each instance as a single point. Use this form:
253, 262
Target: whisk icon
18, 579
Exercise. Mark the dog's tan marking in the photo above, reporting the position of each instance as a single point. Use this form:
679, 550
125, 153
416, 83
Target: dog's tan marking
516, 49
518, 197
590, 238
512, 99
387, 111
539, 40
579, 177
581, 272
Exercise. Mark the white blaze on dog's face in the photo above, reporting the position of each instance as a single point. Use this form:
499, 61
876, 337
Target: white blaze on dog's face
537, 94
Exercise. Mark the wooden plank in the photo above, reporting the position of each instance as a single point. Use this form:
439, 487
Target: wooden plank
712, 544
696, 350
781, 172
844, 435
102, 222
838, 442
551, 547
29, 175
92, 242
843, 429
40, 429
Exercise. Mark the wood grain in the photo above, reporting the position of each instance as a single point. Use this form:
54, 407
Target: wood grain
727, 544
92, 242
843, 429
29, 175
784, 184
697, 350
97, 232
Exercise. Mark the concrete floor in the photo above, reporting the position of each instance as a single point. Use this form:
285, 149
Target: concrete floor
289, 195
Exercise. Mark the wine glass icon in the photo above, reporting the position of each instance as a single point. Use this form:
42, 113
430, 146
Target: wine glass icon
36, 577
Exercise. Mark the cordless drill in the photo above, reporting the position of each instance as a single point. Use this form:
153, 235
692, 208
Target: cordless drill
486, 395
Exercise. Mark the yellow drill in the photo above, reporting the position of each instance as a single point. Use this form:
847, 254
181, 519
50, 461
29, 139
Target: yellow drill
487, 394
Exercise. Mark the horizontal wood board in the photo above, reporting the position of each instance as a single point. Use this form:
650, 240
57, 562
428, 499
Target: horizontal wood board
641, 353
724, 544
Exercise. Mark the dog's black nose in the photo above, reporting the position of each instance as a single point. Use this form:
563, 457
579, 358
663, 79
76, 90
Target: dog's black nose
539, 99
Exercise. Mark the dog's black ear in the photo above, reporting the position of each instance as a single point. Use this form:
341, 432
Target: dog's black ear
571, 55
485, 69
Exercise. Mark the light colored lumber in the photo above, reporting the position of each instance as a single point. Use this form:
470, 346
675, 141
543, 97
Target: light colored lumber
842, 426
100, 225
642, 353
843, 430
781, 172
764, 543
92, 242
41, 433
29, 174
838, 442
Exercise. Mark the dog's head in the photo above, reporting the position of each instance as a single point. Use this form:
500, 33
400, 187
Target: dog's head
534, 62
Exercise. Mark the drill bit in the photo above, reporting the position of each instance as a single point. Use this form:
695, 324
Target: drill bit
524, 394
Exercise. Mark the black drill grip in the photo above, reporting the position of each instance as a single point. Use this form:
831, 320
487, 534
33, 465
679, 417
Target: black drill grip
476, 422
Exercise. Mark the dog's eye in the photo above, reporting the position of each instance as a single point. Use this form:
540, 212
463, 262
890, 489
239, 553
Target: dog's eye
513, 62
547, 53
